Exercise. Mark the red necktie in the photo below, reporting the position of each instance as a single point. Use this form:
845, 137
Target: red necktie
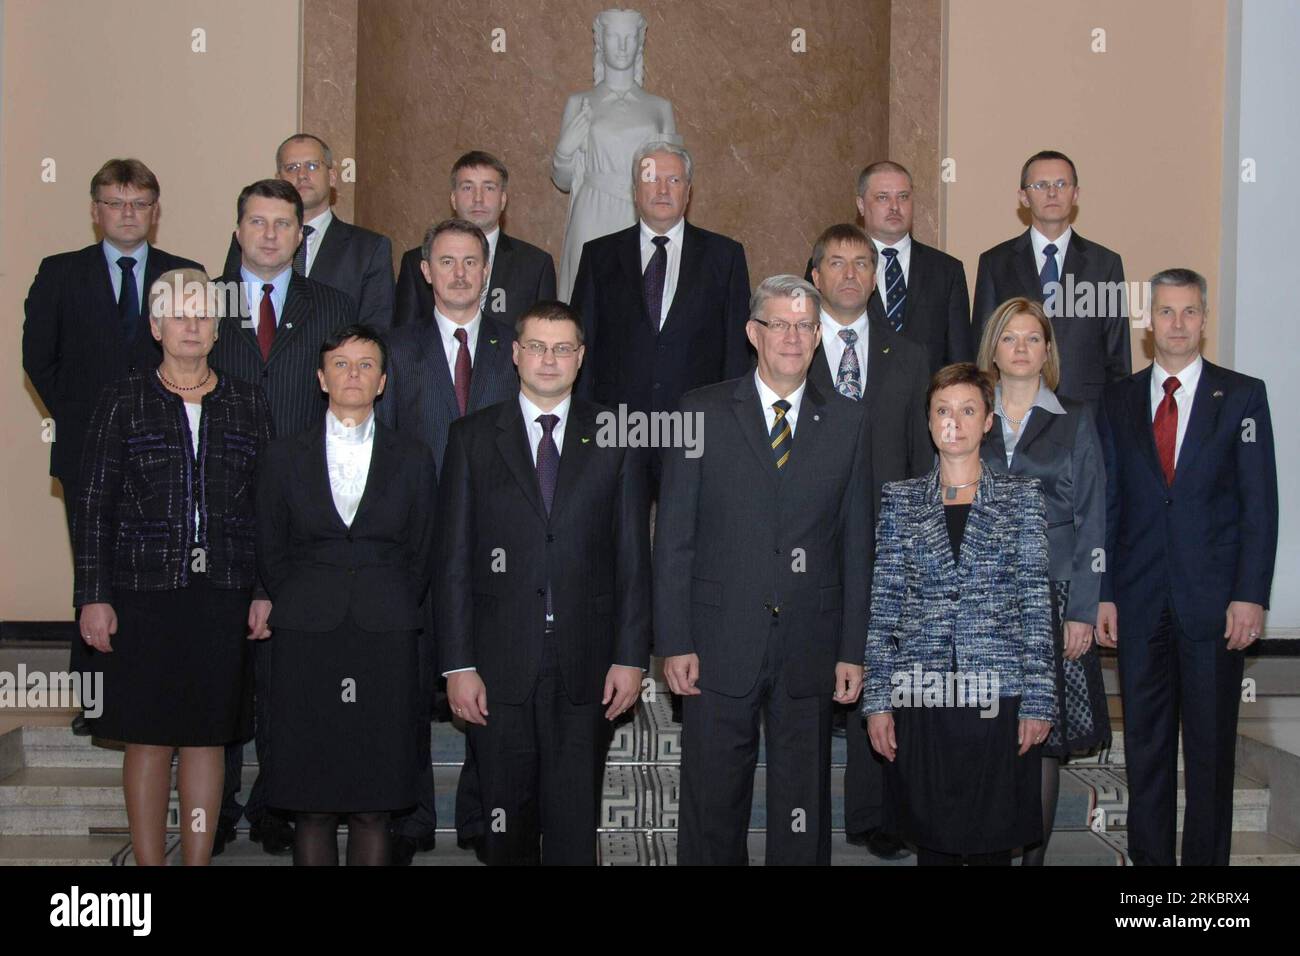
463, 370
1166, 429
266, 322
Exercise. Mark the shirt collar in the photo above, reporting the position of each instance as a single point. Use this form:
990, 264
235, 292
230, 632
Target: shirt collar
112, 253
902, 245
1040, 241
336, 430
321, 222
448, 328
531, 411
770, 398
674, 234
492, 238
832, 327
1045, 399
281, 282
1187, 378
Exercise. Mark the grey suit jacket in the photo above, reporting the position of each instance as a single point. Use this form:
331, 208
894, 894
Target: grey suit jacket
420, 398
1064, 453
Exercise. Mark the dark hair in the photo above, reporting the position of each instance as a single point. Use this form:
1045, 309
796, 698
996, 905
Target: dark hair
326, 152
961, 373
124, 172
358, 330
477, 157
1046, 154
841, 232
453, 225
269, 189
550, 310
883, 166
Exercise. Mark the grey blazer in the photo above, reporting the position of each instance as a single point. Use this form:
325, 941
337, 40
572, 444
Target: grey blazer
990, 611
1064, 453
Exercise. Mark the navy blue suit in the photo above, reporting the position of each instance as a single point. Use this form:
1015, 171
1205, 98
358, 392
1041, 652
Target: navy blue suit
1177, 554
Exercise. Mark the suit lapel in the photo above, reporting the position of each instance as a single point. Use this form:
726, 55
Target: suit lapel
753, 425
330, 252
880, 351
444, 389
876, 308
979, 523
491, 354
383, 464
317, 477
1076, 257
805, 452
1039, 419
1139, 402
820, 371
513, 445
579, 446
915, 268
1025, 265
629, 257
297, 313
993, 451
1205, 416
688, 277
500, 265
97, 265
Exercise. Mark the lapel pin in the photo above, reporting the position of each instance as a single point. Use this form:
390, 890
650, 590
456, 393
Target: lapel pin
492, 341
1218, 394
817, 418
288, 325
885, 350
586, 440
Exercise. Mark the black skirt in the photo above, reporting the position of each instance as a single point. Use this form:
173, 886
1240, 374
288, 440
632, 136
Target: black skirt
957, 785
343, 720
1082, 718
180, 672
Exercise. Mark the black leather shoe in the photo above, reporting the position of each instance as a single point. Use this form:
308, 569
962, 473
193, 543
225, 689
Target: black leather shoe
857, 838
676, 708
81, 726
275, 835
839, 722
225, 834
885, 846
405, 847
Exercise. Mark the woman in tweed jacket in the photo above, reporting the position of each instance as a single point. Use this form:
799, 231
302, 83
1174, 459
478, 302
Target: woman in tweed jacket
959, 690
166, 568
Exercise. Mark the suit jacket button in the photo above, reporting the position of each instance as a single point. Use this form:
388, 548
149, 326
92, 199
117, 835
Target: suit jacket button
550, 538
349, 535
776, 550
541, 592
1169, 501
656, 385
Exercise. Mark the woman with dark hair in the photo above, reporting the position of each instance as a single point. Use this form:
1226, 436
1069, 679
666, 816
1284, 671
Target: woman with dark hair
958, 693
345, 534
1055, 440
166, 571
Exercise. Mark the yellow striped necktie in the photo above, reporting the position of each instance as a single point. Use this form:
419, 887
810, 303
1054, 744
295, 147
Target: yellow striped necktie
781, 436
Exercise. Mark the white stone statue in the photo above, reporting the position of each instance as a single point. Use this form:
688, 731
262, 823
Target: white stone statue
601, 129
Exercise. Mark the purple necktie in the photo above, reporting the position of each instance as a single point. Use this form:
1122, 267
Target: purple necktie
548, 469
656, 273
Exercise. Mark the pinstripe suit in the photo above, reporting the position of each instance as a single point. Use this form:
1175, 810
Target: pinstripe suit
288, 377
312, 310
420, 400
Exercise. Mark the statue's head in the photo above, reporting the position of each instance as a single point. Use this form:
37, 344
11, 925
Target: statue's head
620, 43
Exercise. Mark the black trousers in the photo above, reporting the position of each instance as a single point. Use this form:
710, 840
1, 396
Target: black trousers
540, 767
864, 777
1165, 678
422, 822
720, 738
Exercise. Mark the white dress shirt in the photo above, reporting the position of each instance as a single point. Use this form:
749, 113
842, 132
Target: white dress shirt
194, 411
347, 458
1183, 396
770, 398
141, 256
904, 247
833, 345
534, 428
1040, 242
492, 238
318, 225
674, 250
447, 333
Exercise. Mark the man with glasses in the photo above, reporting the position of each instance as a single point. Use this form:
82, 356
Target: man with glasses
542, 596
349, 258
441, 370
764, 545
86, 323
1080, 282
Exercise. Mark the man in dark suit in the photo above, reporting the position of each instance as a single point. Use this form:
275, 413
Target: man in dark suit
865, 360
271, 336
1079, 282
543, 596
87, 325
353, 260
663, 303
457, 362
519, 273
762, 571
1191, 536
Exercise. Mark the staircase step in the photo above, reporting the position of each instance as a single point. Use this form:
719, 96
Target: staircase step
59, 850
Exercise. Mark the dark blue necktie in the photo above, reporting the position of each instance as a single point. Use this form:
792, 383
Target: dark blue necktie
895, 289
548, 469
128, 300
300, 254
656, 273
1050, 273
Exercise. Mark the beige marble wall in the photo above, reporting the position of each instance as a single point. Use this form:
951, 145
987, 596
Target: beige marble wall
777, 136
329, 88
916, 120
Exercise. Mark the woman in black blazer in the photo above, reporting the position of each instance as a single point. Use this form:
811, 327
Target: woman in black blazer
1054, 440
345, 532
165, 569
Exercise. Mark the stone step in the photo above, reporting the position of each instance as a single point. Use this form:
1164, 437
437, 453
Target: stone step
27, 850
1109, 800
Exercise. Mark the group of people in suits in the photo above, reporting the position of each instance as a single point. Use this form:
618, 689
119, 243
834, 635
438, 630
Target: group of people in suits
890, 487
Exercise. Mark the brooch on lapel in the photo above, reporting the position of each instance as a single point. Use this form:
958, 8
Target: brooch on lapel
1217, 394
492, 341
585, 440
885, 350
817, 418
288, 325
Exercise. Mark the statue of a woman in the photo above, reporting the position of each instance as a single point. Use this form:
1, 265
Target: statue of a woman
601, 129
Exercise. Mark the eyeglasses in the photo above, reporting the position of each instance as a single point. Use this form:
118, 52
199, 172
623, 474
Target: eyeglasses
139, 205
1043, 185
561, 351
780, 326
292, 168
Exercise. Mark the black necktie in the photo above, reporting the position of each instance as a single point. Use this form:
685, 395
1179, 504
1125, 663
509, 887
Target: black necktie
1050, 274
300, 257
656, 273
128, 300
548, 469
